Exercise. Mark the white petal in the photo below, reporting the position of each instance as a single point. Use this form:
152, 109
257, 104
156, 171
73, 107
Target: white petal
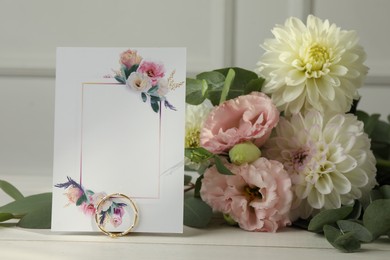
357, 177
332, 201
347, 165
292, 92
324, 184
295, 77
326, 90
340, 183
339, 70
316, 199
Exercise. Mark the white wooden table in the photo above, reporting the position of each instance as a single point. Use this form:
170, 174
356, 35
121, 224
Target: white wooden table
216, 242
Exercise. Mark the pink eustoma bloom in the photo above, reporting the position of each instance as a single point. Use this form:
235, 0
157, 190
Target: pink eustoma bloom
258, 196
155, 71
245, 118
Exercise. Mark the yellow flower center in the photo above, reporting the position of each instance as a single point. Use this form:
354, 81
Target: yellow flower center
316, 61
192, 139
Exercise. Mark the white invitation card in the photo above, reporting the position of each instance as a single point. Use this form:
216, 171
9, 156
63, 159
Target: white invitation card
119, 128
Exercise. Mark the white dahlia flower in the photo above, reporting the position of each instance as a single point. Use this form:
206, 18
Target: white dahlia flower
195, 117
328, 158
316, 65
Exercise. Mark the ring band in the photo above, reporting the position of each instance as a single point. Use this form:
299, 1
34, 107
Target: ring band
101, 223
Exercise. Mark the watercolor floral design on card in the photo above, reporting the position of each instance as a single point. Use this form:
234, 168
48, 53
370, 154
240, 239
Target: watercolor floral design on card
112, 211
148, 78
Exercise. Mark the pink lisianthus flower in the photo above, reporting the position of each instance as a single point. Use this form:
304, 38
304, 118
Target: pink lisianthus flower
245, 118
116, 218
258, 197
155, 71
129, 58
73, 194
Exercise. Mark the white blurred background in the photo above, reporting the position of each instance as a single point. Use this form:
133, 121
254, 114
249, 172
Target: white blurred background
216, 33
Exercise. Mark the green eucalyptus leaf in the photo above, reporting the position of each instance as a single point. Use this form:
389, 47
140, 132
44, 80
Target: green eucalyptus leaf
242, 77
356, 210
198, 186
221, 167
198, 154
27, 204
213, 78
375, 195
328, 217
371, 123
381, 133
6, 216
39, 218
359, 231
347, 242
196, 91
331, 233
196, 213
385, 191
376, 218
362, 116
254, 85
11, 190
226, 86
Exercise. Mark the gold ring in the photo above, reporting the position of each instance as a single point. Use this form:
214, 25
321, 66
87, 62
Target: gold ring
110, 211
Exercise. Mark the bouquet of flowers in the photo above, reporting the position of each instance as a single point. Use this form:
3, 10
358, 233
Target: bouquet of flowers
288, 147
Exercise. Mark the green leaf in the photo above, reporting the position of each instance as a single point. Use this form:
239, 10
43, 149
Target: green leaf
221, 167
371, 123
196, 91
198, 186
198, 154
6, 216
356, 210
376, 218
359, 231
120, 79
385, 191
226, 86
187, 179
153, 89
39, 218
242, 77
344, 242
11, 190
347, 242
144, 97
213, 78
155, 106
375, 195
381, 133
254, 85
27, 204
196, 213
83, 198
328, 217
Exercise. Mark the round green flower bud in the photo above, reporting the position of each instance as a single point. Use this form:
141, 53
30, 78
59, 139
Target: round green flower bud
229, 220
244, 153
